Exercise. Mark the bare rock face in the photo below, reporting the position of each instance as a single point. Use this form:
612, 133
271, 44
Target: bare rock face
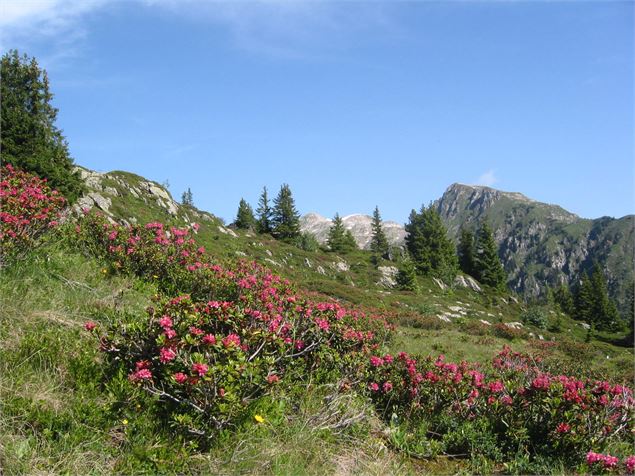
388, 277
359, 225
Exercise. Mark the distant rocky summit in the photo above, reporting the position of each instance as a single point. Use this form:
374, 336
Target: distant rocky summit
359, 225
541, 243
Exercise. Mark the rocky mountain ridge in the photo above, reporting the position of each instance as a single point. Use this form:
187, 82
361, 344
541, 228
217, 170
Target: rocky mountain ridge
541, 243
359, 225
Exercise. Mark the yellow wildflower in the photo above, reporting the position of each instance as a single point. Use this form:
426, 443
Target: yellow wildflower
259, 418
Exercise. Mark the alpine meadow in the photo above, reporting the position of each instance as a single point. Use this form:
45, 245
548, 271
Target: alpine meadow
326, 295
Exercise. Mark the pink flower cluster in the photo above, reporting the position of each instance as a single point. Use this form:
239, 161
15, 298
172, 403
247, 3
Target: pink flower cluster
28, 208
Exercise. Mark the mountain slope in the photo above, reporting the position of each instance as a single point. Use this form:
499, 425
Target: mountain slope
541, 243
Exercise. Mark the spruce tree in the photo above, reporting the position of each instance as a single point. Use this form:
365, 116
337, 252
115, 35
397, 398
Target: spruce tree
187, 198
427, 242
584, 300
407, 276
285, 218
465, 251
487, 264
603, 310
245, 217
379, 242
264, 213
340, 240
30, 140
564, 299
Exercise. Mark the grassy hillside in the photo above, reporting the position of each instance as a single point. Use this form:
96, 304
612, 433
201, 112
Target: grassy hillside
67, 409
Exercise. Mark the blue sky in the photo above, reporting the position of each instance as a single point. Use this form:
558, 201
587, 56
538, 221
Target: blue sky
354, 104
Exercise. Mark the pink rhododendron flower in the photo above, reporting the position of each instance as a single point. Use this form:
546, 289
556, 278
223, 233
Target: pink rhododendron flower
166, 354
90, 326
273, 378
180, 377
376, 361
387, 387
373, 386
563, 428
496, 387
200, 369
139, 375
209, 339
231, 340
165, 321
630, 463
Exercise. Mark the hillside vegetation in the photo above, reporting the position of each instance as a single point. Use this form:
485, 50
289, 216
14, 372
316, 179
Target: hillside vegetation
159, 346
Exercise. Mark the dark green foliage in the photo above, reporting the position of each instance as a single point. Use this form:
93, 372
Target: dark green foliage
430, 248
535, 316
187, 198
285, 218
488, 267
265, 213
564, 299
465, 252
340, 239
30, 140
379, 243
245, 217
307, 242
630, 315
592, 303
407, 276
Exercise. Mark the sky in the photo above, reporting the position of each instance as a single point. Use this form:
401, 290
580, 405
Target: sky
353, 104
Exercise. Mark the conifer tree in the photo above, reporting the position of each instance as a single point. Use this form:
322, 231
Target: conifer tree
564, 299
465, 251
245, 217
379, 242
187, 198
584, 300
427, 242
340, 240
603, 310
285, 219
487, 264
264, 213
30, 140
407, 276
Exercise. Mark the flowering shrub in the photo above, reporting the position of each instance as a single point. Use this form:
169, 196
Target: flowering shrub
224, 336
231, 333
28, 207
524, 406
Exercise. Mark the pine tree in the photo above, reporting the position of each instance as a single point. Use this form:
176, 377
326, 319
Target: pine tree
465, 251
30, 139
285, 219
187, 198
584, 300
264, 213
630, 314
245, 217
379, 242
564, 299
603, 310
432, 251
487, 264
407, 276
340, 240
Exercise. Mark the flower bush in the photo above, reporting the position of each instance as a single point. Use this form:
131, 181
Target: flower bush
229, 335
28, 207
219, 337
525, 407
